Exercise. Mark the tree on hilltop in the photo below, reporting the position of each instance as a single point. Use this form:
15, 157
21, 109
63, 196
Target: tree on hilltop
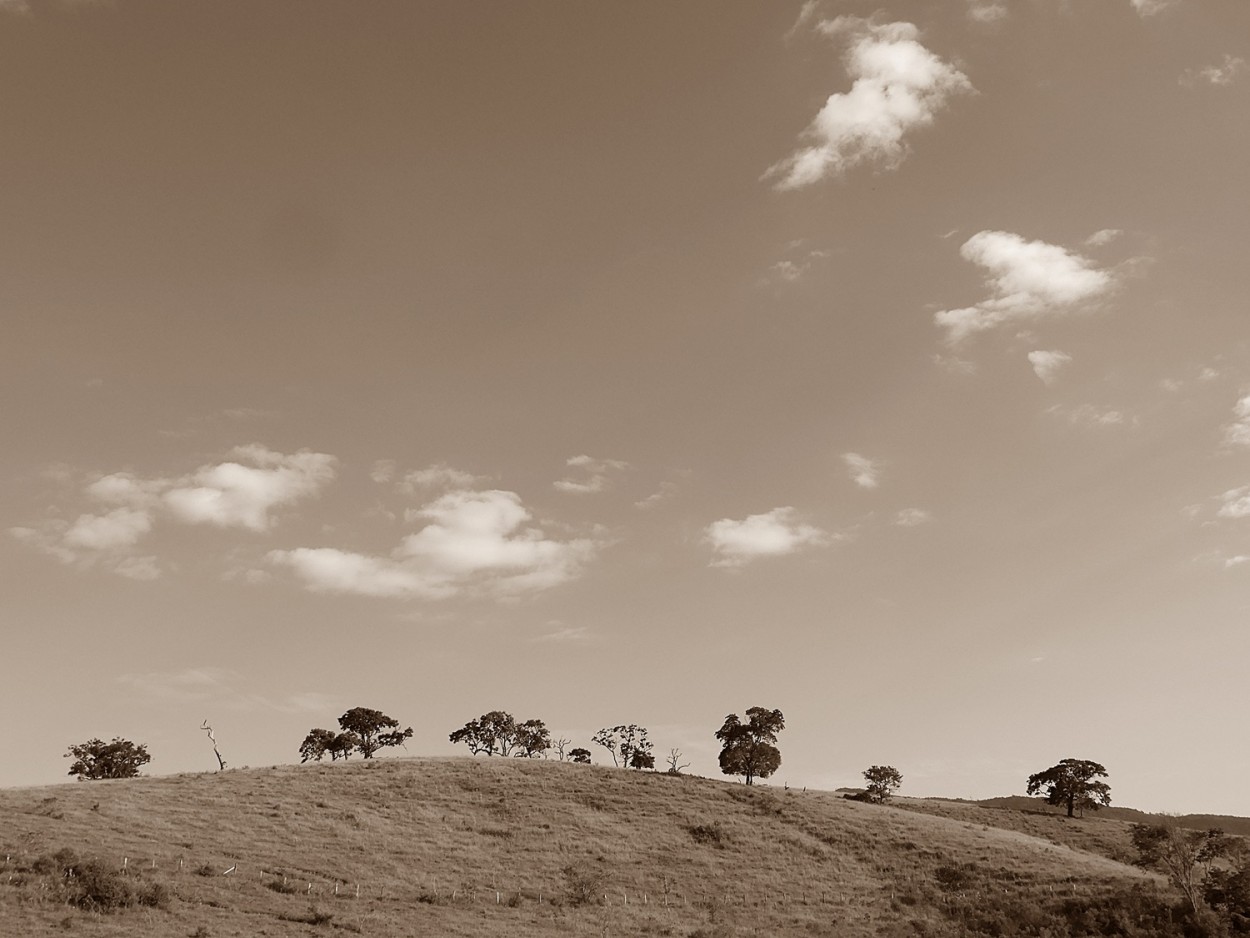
533, 739
580, 756
883, 781
373, 730
96, 759
749, 749
1072, 783
627, 744
318, 742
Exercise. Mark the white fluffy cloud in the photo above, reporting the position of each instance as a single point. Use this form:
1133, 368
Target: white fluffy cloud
864, 472
1048, 364
242, 492
1235, 503
1103, 237
1237, 433
1227, 72
771, 534
237, 495
1151, 7
472, 541
986, 11
1026, 279
912, 517
898, 86
591, 474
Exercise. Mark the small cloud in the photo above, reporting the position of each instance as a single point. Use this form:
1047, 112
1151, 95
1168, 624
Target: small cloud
1151, 7
771, 534
1171, 385
666, 491
382, 471
1208, 374
1103, 237
986, 11
1047, 365
954, 364
898, 86
1222, 75
1235, 561
592, 475
1237, 433
15, 7
436, 477
563, 634
864, 472
138, 568
1236, 503
1087, 415
911, 517
1027, 280
795, 268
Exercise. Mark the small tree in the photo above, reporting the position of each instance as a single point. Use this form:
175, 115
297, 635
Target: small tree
561, 746
96, 759
491, 733
622, 742
221, 763
316, 744
883, 781
1073, 783
373, 730
533, 739
749, 749
342, 746
1185, 855
580, 755
675, 765
641, 760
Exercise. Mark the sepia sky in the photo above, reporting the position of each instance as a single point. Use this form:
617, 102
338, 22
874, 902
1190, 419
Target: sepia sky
885, 363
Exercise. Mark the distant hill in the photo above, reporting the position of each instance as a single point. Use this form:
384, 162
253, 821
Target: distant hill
1228, 823
473, 847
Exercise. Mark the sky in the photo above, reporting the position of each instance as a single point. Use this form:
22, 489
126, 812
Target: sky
882, 363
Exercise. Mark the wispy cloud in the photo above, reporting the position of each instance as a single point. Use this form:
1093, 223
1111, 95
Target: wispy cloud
1151, 7
219, 688
1235, 503
1087, 415
1222, 75
590, 476
986, 11
912, 517
1048, 364
16, 7
1237, 432
1103, 237
771, 534
864, 472
438, 477
666, 491
472, 542
898, 86
1026, 280
564, 634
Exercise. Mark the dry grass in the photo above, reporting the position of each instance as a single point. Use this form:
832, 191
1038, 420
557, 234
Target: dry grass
527, 848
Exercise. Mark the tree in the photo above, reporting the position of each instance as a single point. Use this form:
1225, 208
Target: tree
561, 746
622, 742
96, 759
491, 733
883, 781
221, 763
749, 749
1182, 854
371, 730
316, 744
580, 755
1073, 783
342, 746
675, 765
641, 760
533, 739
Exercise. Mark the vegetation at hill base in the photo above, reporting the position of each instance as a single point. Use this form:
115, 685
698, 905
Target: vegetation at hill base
531, 847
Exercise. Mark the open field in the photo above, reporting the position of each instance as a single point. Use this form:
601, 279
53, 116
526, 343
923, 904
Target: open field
517, 847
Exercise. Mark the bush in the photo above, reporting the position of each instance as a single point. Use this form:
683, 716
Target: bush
584, 882
708, 834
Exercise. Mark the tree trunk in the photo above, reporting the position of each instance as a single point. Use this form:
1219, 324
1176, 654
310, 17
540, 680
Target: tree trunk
1071, 805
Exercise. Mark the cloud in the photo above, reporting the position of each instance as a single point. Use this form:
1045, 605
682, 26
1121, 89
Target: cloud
564, 634
1222, 75
986, 11
382, 471
898, 86
472, 542
1087, 415
1103, 237
1236, 503
438, 476
1047, 365
1237, 433
864, 472
911, 517
592, 475
16, 7
666, 491
1235, 561
772, 534
124, 508
237, 495
220, 687
1026, 279
1151, 7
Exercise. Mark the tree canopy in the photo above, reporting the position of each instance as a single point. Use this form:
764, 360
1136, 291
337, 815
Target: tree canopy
498, 733
627, 744
749, 749
96, 759
883, 781
369, 731
1073, 784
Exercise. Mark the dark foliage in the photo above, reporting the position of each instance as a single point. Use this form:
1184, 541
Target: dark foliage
749, 749
1073, 783
96, 759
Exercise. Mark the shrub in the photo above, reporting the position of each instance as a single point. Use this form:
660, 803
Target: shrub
711, 834
584, 882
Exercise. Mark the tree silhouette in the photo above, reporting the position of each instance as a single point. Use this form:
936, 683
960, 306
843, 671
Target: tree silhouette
96, 759
580, 755
1072, 783
533, 739
370, 729
883, 781
749, 749
622, 742
491, 733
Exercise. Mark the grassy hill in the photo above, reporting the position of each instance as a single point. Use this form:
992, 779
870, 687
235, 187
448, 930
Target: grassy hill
533, 848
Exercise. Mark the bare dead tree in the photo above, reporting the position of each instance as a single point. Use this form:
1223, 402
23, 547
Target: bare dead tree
675, 765
221, 763
560, 746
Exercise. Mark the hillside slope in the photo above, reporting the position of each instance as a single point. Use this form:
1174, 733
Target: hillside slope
528, 848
